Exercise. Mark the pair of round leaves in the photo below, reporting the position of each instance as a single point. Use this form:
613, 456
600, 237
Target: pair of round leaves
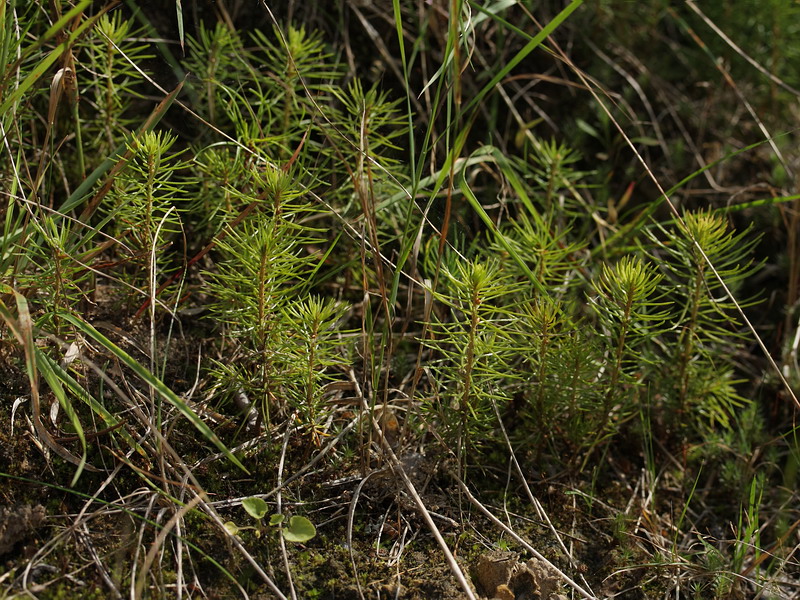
298, 529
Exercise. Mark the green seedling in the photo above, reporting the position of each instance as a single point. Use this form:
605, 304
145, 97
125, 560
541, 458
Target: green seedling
299, 529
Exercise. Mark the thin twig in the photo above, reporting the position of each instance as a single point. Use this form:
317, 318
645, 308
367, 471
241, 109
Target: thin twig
773, 78
86, 538
279, 504
207, 507
299, 473
159, 541
519, 539
533, 500
398, 469
350, 516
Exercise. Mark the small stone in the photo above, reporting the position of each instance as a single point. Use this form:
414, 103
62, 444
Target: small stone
503, 592
501, 576
493, 569
18, 524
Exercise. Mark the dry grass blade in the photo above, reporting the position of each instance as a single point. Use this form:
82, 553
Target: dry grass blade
772, 77
397, 468
279, 506
351, 511
156, 384
41, 68
158, 542
22, 328
531, 498
86, 538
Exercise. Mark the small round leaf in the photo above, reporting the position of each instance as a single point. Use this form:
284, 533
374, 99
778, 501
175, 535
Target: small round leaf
276, 519
231, 527
299, 530
255, 507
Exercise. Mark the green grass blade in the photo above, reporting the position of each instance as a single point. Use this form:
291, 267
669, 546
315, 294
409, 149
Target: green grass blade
63, 21
450, 161
78, 391
757, 203
120, 156
22, 329
476, 206
45, 368
641, 219
532, 44
398, 20
179, 11
41, 68
155, 383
